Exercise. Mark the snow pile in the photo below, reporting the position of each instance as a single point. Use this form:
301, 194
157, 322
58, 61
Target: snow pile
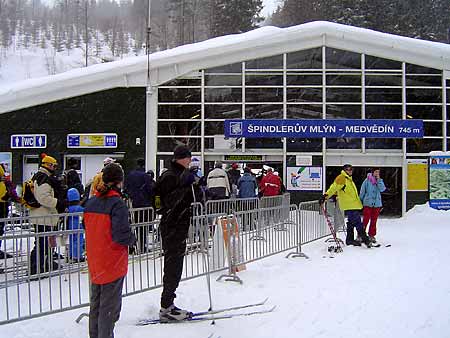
397, 291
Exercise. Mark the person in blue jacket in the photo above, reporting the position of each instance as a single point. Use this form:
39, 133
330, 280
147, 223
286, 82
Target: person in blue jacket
247, 184
370, 195
76, 240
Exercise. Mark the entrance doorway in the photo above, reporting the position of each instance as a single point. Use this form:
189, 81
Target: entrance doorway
392, 177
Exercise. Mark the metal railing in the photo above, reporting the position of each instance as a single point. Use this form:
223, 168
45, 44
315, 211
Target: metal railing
224, 235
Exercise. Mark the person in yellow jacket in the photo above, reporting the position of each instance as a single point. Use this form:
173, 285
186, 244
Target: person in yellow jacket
349, 202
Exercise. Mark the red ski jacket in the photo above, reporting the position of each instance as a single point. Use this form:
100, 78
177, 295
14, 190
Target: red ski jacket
270, 185
108, 235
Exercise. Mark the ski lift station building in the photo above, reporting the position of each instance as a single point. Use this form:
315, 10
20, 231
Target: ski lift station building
314, 71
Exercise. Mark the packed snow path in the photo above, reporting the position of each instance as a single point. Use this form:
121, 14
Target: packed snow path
398, 291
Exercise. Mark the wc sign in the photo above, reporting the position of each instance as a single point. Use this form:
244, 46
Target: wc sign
28, 141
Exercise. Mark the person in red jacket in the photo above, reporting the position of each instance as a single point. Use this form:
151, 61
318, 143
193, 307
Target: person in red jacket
108, 236
270, 184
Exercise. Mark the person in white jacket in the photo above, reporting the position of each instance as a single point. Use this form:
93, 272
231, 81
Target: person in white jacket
45, 218
218, 183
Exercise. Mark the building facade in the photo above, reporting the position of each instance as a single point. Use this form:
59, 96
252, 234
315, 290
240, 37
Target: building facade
313, 71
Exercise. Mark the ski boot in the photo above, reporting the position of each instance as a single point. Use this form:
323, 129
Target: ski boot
172, 313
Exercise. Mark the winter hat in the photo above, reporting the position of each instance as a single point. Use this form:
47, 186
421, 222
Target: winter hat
73, 195
218, 164
234, 166
2, 170
108, 160
112, 173
347, 166
46, 159
181, 152
140, 162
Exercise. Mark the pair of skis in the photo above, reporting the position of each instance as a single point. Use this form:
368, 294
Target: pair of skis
211, 315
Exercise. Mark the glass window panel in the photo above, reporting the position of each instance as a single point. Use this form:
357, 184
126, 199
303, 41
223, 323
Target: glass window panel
343, 95
341, 59
423, 80
263, 143
432, 128
214, 128
169, 143
304, 111
415, 69
304, 144
424, 112
384, 112
232, 68
263, 111
166, 158
223, 111
271, 62
184, 82
344, 143
337, 111
219, 142
179, 111
343, 80
264, 95
179, 128
179, 95
423, 145
420, 95
304, 94
373, 62
383, 80
305, 59
258, 79
304, 79
223, 94
383, 143
223, 80
388, 95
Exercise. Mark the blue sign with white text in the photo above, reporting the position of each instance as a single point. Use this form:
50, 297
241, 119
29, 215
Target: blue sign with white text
439, 178
28, 141
324, 128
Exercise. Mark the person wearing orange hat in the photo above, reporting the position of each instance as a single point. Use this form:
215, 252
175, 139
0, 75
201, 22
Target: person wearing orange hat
46, 191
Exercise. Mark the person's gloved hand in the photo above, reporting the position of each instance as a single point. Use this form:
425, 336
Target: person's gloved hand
323, 199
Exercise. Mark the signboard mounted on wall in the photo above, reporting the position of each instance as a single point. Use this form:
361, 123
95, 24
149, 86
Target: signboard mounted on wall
304, 178
324, 128
28, 141
92, 140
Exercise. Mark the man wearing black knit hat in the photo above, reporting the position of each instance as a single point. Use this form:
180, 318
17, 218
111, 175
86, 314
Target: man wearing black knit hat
175, 188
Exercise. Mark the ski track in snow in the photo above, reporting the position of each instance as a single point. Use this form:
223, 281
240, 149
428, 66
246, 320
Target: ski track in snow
400, 291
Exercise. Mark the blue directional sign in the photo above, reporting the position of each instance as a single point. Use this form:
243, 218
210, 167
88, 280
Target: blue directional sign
28, 141
92, 140
324, 128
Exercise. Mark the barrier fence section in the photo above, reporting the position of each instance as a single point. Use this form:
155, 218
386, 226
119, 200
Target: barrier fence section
47, 271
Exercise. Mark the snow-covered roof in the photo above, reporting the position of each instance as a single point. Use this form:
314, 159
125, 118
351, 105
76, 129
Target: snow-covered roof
262, 42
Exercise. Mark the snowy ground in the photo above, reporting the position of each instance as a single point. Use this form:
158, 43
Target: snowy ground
398, 291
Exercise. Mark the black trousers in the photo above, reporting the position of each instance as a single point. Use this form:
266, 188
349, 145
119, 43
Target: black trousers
41, 257
173, 269
105, 306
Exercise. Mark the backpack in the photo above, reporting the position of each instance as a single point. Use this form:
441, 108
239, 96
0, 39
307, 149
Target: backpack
28, 195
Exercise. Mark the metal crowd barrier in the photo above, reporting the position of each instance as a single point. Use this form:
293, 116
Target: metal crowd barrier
223, 236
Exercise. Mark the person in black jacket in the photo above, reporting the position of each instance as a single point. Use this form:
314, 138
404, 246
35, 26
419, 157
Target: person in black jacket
138, 186
72, 178
177, 189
